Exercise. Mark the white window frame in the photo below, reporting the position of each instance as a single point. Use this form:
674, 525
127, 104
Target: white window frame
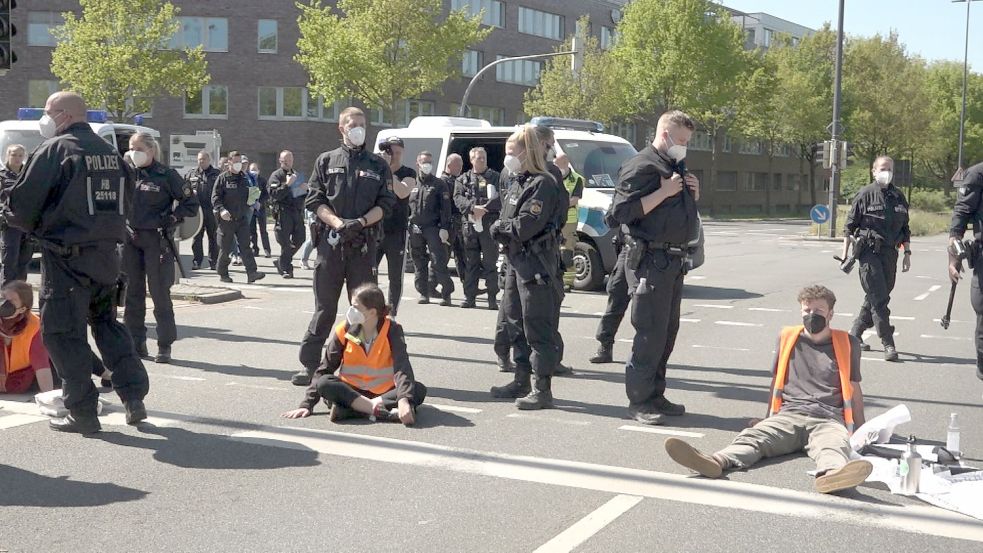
54, 19
466, 62
423, 108
493, 114
206, 100
700, 141
177, 41
539, 23
259, 36
494, 14
322, 112
609, 37
520, 67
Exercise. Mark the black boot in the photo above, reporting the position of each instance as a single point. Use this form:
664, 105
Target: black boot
141, 347
540, 398
604, 354
519, 387
505, 364
163, 354
136, 411
492, 303
77, 423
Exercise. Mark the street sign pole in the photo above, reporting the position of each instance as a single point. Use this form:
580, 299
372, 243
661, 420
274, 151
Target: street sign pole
834, 181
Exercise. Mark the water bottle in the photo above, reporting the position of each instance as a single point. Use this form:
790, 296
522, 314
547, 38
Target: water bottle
952, 436
910, 469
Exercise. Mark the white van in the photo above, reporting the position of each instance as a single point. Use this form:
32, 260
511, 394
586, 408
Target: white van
593, 154
25, 130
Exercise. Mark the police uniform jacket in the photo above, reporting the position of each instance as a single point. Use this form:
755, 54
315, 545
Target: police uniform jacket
532, 209
231, 194
969, 206
398, 221
472, 189
157, 188
282, 195
430, 203
7, 177
202, 183
675, 221
881, 213
450, 182
350, 182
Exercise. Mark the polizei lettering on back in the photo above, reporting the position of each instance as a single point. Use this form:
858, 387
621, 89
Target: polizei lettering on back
104, 162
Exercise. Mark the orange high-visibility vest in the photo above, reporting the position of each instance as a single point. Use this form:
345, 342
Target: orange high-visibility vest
17, 356
370, 371
841, 349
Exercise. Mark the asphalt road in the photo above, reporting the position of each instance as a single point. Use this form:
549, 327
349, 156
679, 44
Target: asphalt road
217, 469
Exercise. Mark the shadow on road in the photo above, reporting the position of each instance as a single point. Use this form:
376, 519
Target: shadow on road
463, 339
697, 292
219, 334
235, 370
23, 488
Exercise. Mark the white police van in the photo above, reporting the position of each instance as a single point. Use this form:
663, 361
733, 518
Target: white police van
595, 155
25, 130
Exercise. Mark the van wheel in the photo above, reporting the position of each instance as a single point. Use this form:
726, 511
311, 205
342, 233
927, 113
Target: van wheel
590, 270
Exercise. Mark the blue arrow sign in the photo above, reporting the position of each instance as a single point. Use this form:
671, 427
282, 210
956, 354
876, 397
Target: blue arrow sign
819, 214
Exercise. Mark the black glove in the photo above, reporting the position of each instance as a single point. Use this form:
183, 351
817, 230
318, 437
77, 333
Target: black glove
351, 229
496, 232
168, 220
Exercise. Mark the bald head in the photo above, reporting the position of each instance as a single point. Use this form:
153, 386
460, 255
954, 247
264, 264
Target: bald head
65, 108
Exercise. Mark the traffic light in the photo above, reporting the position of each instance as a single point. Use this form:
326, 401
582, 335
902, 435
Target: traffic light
7, 31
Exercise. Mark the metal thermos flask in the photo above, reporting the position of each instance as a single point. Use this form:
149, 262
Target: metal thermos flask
910, 469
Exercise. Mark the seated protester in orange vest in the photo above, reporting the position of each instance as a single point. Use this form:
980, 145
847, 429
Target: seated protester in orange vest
814, 406
366, 368
24, 358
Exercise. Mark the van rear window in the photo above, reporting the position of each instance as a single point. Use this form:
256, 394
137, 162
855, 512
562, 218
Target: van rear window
598, 162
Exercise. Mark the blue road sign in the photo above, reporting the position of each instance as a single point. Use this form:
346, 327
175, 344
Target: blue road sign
819, 214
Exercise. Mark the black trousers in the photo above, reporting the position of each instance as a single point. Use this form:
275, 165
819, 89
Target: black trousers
618, 300
456, 248
878, 271
424, 242
480, 258
657, 287
531, 310
68, 303
229, 234
337, 266
393, 247
334, 390
504, 332
208, 228
147, 263
290, 233
976, 298
259, 223
15, 254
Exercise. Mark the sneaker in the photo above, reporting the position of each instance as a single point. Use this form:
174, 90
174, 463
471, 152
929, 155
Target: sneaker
848, 476
288, 276
666, 407
302, 378
224, 278
644, 414
339, 412
253, 277
78, 425
691, 458
305, 264
237, 261
864, 346
386, 415
563, 370
890, 353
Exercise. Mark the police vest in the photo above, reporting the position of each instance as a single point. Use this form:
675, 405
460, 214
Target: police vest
841, 350
17, 355
370, 371
570, 183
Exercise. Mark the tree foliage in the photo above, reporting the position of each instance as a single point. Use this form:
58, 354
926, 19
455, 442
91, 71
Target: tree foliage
116, 55
382, 51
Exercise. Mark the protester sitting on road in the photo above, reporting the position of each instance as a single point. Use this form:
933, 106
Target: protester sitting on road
366, 368
24, 359
815, 402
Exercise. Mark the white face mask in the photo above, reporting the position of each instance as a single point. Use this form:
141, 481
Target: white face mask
48, 127
883, 178
426, 168
236, 167
550, 154
354, 316
356, 135
513, 164
675, 151
140, 159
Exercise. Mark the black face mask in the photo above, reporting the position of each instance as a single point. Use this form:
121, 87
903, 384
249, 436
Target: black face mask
814, 322
7, 309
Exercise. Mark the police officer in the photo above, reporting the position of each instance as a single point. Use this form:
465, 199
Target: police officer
430, 225
396, 224
287, 200
878, 219
15, 248
573, 182
230, 203
533, 285
969, 209
202, 182
349, 194
147, 254
656, 199
453, 167
476, 197
258, 224
70, 197
618, 300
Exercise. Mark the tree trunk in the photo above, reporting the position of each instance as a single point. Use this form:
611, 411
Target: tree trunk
711, 190
769, 206
812, 182
798, 195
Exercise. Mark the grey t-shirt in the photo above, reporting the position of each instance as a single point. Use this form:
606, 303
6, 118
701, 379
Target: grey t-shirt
813, 384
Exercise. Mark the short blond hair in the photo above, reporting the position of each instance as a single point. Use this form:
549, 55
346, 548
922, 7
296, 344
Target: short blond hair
676, 118
349, 112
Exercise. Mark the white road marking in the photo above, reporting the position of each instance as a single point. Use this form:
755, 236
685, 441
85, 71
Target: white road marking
696, 277
720, 348
17, 419
872, 358
734, 323
626, 340
766, 309
927, 277
550, 420
931, 289
720, 233
308, 312
252, 307
951, 321
682, 320
598, 313
842, 314
827, 509
664, 431
900, 318
258, 387
585, 528
454, 408
933, 337
177, 377
713, 305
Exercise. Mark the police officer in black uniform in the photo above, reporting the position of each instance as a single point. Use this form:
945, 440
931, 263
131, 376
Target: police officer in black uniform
534, 204
349, 193
396, 224
202, 182
618, 299
969, 209
15, 248
257, 228
229, 202
453, 166
656, 199
430, 225
878, 220
477, 199
287, 202
71, 198
147, 254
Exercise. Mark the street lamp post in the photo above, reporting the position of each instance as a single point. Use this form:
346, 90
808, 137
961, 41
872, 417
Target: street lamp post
463, 111
962, 115
834, 180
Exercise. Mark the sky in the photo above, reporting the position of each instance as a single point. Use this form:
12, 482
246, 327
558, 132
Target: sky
932, 29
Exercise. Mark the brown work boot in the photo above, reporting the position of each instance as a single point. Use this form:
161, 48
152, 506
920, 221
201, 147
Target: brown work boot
692, 458
848, 476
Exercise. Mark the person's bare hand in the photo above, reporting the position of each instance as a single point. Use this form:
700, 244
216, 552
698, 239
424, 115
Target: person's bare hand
478, 211
406, 412
954, 269
296, 413
672, 185
906, 264
694, 185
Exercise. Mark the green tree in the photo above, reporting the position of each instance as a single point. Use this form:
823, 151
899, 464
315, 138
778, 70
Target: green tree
116, 55
382, 51
939, 155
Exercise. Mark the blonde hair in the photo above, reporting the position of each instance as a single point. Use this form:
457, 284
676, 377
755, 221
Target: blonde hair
149, 141
11, 149
880, 159
528, 139
348, 113
675, 118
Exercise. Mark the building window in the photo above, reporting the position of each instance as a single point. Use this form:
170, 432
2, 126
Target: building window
495, 116
524, 72
752, 147
749, 38
471, 63
756, 182
39, 25
728, 146
212, 102
404, 113
726, 181
211, 33
766, 37
608, 37
38, 92
494, 11
283, 102
700, 141
535, 22
266, 36
628, 131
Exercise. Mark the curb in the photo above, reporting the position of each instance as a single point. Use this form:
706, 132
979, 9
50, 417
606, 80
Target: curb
204, 294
